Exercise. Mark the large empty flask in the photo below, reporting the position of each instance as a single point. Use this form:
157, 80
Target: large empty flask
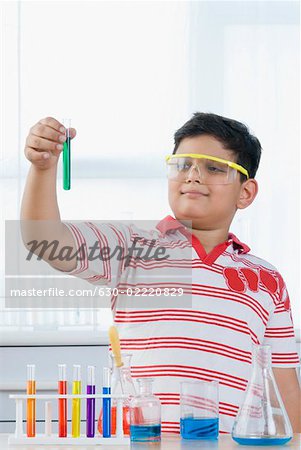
262, 419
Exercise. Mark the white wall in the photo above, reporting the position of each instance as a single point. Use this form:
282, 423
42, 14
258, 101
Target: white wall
129, 74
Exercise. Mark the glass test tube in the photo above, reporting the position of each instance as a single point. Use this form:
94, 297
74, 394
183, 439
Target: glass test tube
90, 422
106, 403
76, 389
62, 404
31, 402
48, 418
67, 157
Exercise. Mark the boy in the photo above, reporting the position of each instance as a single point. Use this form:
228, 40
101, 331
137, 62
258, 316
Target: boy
237, 299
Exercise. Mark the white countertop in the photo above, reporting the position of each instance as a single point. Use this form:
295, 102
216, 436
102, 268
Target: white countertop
168, 443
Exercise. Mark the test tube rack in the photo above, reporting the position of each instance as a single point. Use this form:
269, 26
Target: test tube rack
20, 438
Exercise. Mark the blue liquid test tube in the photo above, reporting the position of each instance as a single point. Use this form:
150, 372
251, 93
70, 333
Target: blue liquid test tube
106, 403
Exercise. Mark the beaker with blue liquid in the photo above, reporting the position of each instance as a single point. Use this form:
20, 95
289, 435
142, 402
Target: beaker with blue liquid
262, 419
199, 410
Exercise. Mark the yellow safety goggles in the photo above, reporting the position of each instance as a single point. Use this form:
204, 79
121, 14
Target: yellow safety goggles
211, 169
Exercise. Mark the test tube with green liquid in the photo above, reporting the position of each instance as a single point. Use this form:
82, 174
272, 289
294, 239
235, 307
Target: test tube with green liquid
67, 156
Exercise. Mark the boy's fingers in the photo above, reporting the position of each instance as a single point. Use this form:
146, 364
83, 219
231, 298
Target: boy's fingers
72, 133
51, 129
44, 131
53, 123
34, 156
40, 143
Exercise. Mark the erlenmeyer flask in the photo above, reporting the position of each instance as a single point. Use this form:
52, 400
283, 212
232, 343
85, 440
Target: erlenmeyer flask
262, 419
122, 383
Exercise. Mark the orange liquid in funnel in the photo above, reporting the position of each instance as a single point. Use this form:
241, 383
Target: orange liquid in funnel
125, 421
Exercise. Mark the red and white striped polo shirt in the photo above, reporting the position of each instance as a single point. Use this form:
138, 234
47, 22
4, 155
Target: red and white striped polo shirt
232, 300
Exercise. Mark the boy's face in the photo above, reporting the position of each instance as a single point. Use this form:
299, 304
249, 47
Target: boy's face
208, 206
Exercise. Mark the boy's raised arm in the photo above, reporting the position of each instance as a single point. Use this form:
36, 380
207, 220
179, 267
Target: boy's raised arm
40, 215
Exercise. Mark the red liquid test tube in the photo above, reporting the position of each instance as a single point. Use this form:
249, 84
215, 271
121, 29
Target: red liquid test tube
62, 389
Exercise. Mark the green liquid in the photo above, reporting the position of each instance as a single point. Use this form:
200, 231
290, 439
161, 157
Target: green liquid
67, 164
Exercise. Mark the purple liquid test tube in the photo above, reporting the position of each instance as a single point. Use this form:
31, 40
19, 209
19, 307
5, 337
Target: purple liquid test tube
90, 422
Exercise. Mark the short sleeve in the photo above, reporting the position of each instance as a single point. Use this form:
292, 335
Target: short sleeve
279, 333
100, 249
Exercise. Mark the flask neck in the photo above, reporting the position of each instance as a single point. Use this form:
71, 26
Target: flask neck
122, 382
145, 386
262, 357
125, 358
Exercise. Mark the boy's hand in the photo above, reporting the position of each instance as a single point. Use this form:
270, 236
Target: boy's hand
44, 143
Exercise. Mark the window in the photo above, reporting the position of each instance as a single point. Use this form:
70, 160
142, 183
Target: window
129, 74
119, 70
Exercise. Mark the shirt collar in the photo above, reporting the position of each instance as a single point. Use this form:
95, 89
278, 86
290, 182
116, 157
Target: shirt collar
169, 223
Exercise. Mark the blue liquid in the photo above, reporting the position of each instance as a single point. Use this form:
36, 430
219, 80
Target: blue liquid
145, 433
199, 428
106, 413
261, 441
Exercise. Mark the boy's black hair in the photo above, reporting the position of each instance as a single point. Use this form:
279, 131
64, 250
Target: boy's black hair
233, 135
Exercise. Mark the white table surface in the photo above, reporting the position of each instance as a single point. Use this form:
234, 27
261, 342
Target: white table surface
168, 443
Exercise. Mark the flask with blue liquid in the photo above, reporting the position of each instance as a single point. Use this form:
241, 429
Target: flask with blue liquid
145, 414
262, 419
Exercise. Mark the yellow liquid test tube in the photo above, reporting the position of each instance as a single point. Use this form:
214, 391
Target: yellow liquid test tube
76, 389
31, 402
